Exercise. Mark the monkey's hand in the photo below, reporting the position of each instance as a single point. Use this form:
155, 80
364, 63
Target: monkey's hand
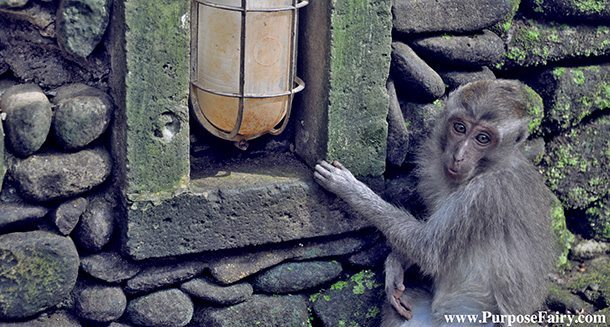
335, 178
395, 289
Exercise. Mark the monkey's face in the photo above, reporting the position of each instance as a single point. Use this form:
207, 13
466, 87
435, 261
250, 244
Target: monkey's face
468, 142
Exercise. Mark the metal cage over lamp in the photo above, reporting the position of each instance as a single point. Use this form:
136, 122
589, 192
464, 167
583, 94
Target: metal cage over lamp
245, 65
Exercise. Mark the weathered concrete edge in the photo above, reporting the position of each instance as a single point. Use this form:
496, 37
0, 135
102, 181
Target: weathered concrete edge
314, 62
299, 210
358, 100
344, 107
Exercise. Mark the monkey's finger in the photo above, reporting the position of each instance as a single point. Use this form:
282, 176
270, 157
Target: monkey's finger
318, 176
322, 171
406, 305
405, 311
398, 292
338, 164
402, 311
328, 166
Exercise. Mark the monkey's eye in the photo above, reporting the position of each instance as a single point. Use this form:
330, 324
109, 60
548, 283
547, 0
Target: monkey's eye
459, 127
483, 138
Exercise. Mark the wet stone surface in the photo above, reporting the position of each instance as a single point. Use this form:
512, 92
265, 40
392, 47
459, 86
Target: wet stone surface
51, 176
28, 118
281, 311
177, 309
109, 267
39, 268
296, 276
205, 290
99, 303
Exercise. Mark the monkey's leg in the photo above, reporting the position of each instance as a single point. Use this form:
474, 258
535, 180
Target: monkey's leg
466, 300
394, 285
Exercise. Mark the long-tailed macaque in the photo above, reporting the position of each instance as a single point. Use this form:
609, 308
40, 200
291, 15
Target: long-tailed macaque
487, 242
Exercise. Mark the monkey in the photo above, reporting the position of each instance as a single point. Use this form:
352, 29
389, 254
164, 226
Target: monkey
487, 242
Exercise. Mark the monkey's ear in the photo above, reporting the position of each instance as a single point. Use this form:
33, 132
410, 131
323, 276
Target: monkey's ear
522, 131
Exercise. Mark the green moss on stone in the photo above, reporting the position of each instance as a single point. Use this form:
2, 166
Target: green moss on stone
504, 25
564, 236
578, 76
577, 171
575, 93
538, 6
516, 54
597, 278
532, 34
310, 317
601, 97
554, 37
537, 43
373, 312
339, 285
364, 280
314, 297
590, 6
598, 218
579, 194
603, 29
535, 109
559, 71
36, 274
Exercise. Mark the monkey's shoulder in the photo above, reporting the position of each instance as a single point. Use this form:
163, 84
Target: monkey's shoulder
512, 185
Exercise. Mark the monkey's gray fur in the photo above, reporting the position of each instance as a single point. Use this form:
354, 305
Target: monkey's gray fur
487, 242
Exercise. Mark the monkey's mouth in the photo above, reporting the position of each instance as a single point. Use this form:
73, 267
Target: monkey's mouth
453, 173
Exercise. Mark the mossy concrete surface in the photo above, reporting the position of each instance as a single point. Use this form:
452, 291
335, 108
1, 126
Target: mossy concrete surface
573, 93
537, 44
235, 205
153, 129
346, 60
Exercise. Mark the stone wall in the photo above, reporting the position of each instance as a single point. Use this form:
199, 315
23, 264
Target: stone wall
117, 210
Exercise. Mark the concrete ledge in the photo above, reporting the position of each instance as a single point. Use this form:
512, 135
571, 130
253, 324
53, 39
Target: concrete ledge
232, 205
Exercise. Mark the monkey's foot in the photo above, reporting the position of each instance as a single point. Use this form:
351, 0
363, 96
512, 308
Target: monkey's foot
400, 302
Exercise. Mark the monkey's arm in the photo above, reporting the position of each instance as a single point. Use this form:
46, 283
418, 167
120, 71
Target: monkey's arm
406, 235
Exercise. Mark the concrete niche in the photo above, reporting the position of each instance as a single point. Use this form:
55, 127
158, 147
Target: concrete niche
173, 204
